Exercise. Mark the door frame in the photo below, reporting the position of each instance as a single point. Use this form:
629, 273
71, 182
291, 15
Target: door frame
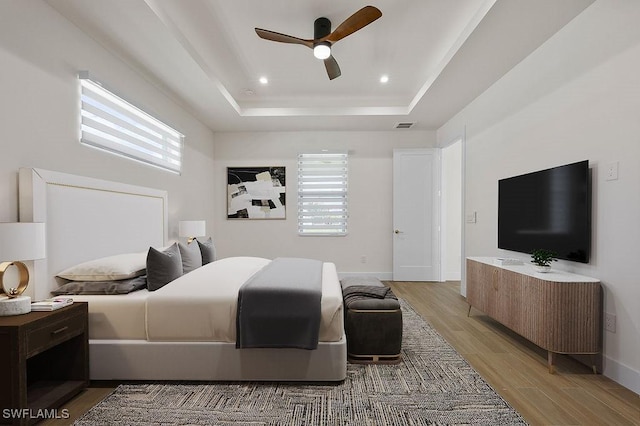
446, 223
462, 137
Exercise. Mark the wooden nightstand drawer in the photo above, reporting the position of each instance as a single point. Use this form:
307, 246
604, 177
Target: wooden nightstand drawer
42, 338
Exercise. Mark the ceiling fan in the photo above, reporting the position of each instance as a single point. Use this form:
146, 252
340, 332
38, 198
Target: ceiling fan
323, 38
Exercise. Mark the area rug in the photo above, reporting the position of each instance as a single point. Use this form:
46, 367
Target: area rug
432, 385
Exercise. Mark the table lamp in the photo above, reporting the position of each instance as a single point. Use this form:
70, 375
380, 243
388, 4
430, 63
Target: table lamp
191, 229
18, 242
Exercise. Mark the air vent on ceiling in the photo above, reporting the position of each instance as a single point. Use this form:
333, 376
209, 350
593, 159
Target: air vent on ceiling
404, 125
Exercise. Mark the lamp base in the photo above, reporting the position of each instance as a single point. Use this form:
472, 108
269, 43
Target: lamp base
14, 306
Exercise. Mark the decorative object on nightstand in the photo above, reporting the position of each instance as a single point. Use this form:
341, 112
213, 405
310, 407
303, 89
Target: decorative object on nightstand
191, 229
542, 259
18, 241
51, 304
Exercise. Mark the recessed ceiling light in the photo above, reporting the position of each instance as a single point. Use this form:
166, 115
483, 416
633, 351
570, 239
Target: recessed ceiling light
264, 80
384, 79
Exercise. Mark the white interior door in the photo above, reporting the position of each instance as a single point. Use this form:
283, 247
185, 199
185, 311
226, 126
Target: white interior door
416, 215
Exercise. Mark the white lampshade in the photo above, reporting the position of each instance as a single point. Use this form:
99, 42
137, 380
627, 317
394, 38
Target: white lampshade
191, 228
22, 241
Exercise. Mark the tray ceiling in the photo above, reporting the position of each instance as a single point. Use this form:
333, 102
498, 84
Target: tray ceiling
438, 55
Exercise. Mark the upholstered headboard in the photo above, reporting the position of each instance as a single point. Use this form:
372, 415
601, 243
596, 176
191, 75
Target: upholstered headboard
87, 219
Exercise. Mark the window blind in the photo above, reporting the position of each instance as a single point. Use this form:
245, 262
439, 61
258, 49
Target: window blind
114, 125
322, 193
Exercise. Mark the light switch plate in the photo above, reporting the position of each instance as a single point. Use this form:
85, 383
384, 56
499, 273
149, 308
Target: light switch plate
471, 217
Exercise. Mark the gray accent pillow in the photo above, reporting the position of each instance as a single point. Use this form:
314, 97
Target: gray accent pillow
102, 287
163, 266
191, 257
208, 251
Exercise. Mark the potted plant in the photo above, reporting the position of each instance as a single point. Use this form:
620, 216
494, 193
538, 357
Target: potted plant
542, 259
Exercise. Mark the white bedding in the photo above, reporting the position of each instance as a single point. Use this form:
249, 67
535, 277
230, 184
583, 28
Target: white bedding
199, 306
119, 316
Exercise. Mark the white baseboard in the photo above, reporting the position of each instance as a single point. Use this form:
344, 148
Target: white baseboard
383, 276
386, 276
622, 374
453, 276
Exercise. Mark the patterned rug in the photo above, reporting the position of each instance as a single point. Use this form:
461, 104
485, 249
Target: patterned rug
432, 385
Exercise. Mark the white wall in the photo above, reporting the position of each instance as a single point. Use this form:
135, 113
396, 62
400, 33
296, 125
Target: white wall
370, 196
577, 97
41, 53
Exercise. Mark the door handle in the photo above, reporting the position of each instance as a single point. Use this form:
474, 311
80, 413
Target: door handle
397, 231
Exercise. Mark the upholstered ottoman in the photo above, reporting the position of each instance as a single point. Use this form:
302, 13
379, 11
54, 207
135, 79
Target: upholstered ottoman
373, 321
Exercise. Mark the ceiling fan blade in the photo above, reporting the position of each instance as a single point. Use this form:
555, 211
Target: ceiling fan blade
333, 70
357, 21
282, 38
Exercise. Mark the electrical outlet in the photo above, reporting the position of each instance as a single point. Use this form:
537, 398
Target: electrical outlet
610, 322
363, 259
612, 171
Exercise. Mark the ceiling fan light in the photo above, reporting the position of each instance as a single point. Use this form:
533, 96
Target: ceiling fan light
322, 50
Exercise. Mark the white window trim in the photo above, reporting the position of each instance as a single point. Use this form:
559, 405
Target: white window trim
322, 194
112, 124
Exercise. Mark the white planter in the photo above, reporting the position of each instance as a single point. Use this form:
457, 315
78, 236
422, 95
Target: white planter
539, 268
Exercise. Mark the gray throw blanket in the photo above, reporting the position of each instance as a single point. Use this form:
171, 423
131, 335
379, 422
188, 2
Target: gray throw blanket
364, 292
279, 306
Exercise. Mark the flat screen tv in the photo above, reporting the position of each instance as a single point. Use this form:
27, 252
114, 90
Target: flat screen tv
548, 209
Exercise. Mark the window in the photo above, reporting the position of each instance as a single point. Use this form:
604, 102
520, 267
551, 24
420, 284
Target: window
114, 125
322, 193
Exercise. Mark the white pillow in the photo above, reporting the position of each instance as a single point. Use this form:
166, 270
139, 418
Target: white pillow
118, 267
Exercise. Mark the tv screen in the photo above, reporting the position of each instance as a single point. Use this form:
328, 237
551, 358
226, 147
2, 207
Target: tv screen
548, 209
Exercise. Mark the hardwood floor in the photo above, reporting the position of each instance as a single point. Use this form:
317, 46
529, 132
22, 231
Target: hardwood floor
514, 367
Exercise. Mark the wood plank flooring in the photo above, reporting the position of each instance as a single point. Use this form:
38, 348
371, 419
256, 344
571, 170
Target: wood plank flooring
514, 367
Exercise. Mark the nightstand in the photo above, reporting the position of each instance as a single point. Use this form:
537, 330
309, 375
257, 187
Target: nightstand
44, 361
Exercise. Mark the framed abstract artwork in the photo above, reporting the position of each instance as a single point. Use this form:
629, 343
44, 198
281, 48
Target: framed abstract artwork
256, 193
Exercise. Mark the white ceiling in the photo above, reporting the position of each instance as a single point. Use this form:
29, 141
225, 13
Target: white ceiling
439, 55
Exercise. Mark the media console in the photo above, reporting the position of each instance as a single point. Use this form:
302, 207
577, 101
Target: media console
558, 311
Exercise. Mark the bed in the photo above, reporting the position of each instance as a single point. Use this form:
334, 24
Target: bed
174, 333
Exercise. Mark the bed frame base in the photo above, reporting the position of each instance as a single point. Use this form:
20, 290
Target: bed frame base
214, 361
